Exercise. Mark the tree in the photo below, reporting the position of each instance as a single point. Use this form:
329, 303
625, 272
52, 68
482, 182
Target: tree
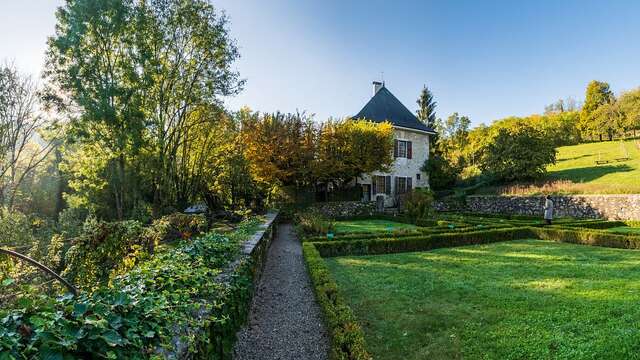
279, 148
218, 166
131, 75
427, 107
610, 119
91, 63
186, 56
517, 153
629, 103
597, 94
446, 159
23, 142
560, 106
349, 148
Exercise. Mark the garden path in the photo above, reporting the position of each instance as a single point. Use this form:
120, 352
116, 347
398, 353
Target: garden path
285, 321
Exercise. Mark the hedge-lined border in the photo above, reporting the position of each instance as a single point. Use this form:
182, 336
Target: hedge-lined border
405, 233
588, 237
346, 335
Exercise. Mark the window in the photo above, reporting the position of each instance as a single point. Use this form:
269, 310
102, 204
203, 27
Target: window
402, 149
417, 176
403, 185
381, 185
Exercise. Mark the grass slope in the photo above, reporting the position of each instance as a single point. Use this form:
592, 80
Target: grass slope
372, 225
578, 164
525, 299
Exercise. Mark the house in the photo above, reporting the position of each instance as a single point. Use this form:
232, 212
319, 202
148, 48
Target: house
411, 148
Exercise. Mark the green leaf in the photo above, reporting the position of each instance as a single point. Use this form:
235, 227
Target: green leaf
46, 353
79, 309
7, 281
149, 334
112, 338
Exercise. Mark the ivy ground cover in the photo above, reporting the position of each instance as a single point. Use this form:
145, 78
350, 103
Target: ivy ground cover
522, 299
370, 225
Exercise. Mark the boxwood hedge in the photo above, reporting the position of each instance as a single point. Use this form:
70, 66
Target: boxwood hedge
347, 338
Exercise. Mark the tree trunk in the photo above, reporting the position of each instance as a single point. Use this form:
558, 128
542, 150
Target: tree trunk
60, 188
120, 188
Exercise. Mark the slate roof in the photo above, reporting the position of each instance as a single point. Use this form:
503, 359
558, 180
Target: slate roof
383, 106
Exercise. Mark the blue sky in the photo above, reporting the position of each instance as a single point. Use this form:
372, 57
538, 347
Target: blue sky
484, 59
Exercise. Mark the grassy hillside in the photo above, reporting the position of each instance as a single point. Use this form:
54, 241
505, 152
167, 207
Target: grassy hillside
577, 171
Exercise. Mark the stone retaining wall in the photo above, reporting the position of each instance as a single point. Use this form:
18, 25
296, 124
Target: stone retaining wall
612, 207
345, 208
250, 260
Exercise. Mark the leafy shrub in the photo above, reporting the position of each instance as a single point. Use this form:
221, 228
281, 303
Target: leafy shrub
16, 230
347, 338
418, 204
144, 311
176, 226
102, 248
71, 221
313, 222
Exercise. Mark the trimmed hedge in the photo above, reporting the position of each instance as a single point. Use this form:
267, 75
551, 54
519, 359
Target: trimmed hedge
588, 237
403, 234
395, 218
347, 338
597, 224
418, 243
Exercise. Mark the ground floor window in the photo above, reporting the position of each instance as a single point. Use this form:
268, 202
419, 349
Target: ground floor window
403, 184
381, 185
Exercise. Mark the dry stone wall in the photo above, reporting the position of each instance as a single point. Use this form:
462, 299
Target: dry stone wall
612, 207
345, 208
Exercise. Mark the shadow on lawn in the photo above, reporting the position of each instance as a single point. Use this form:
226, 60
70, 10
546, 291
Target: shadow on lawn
587, 174
576, 157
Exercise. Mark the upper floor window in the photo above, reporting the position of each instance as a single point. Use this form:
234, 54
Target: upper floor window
402, 149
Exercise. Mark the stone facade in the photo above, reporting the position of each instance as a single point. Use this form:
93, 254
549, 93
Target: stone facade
404, 167
612, 207
345, 208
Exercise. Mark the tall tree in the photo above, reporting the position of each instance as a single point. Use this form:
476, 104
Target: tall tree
427, 107
91, 63
23, 146
132, 75
517, 153
186, 55
597, 94
629, 103
349, 148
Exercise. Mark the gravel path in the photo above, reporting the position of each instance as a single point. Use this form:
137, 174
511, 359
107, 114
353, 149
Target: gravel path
285, 320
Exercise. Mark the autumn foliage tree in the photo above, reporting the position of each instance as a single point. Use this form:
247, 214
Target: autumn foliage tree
290, 150
349, 148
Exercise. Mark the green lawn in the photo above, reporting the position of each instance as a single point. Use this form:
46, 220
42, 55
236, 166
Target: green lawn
628, 230
526, 299
343, 227
578, 164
